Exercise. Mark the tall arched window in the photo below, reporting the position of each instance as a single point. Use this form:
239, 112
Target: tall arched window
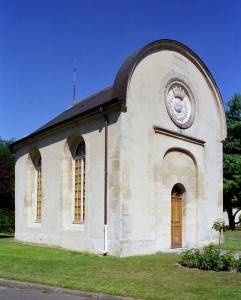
39, 191
79, 199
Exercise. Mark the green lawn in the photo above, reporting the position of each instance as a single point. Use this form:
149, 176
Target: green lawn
232, 240
148, 277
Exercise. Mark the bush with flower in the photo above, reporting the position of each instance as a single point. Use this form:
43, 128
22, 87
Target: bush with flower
210, 258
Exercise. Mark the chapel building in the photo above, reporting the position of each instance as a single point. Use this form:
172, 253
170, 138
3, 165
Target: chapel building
133, 169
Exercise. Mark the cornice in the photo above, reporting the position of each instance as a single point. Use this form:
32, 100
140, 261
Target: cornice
179, 136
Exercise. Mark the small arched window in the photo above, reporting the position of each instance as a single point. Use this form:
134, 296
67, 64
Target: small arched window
79, 203
39, 190
176, 191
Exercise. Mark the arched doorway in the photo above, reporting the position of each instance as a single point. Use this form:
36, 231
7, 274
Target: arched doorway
176, 216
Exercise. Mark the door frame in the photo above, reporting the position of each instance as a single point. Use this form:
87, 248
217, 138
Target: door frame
177, 215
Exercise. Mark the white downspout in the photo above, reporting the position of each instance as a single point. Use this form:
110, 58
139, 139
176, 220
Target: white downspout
105, 239
105, 184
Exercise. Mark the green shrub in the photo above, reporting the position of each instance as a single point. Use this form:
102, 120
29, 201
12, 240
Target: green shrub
191, 258
228, 261
209, 259
238, 265
7, 220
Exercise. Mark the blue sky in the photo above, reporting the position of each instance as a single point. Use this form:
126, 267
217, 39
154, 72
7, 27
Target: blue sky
41, 40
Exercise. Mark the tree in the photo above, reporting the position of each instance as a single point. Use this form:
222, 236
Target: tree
232, 160
6, 175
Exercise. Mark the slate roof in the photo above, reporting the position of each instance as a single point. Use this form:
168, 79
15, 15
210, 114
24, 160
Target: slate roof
86, 105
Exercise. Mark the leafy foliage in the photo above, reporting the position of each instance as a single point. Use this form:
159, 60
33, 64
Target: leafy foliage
238, 265
232, 159
219, 225
209, 259
6, 152
191, 258
7, 220
227, 261
6, 175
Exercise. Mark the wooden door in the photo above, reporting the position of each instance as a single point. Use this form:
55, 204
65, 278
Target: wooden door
176, 221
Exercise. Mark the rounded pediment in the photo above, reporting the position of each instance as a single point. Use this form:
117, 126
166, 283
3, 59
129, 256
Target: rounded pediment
181, 110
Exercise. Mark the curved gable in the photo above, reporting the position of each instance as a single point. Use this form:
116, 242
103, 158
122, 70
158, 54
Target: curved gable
124, 74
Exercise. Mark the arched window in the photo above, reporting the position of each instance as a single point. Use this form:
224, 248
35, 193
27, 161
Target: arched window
79, 199
39, 191
176, 191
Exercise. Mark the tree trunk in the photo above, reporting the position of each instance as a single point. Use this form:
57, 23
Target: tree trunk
239, 221
231, 218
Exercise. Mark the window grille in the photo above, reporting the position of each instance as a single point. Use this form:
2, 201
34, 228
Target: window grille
79, 203
39, 191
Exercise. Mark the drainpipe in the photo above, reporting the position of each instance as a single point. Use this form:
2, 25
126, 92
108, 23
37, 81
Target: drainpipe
105, 185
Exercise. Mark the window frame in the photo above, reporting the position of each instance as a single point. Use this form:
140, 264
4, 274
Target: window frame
79, 183
39, 191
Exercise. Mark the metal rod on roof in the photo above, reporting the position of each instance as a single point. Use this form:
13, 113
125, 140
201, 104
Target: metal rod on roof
74, 100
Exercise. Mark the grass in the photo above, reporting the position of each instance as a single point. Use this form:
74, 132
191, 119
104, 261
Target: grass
146, 277
232, 240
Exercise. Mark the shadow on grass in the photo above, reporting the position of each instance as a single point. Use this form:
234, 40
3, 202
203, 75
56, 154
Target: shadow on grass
6, 235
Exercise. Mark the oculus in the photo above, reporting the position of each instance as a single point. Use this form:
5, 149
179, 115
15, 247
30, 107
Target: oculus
179, 104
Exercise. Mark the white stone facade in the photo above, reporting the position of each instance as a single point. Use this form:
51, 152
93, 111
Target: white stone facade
171, 133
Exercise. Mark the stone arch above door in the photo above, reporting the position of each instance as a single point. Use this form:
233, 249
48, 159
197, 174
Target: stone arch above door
177, 167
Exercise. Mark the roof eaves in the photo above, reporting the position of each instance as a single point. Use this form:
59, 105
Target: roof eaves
96, 109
